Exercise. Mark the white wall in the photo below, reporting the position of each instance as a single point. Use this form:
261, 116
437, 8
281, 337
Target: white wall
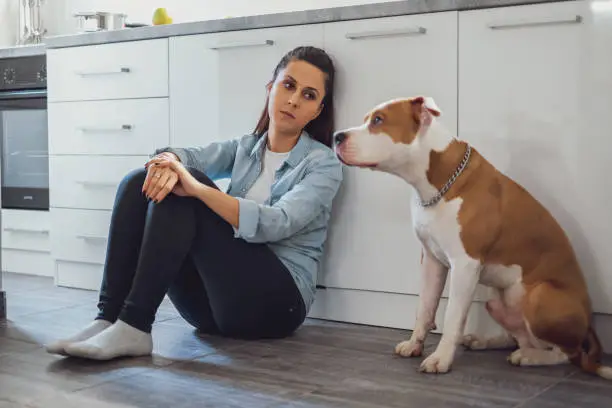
9, 13
59, 18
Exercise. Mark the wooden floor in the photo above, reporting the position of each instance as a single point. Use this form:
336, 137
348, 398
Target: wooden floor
324, 364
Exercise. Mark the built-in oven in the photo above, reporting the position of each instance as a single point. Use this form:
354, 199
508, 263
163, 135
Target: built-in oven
23, 133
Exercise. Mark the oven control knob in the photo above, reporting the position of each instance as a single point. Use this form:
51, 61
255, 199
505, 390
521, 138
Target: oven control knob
9, 76
41, 75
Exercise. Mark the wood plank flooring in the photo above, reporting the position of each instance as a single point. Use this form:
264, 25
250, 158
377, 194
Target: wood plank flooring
324, 364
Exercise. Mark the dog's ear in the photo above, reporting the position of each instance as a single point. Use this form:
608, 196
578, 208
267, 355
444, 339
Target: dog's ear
421, 103
423, 111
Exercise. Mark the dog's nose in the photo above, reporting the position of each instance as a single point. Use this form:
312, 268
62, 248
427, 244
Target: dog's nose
339, 138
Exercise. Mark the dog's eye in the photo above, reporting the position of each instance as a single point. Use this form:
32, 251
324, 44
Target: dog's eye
376, 120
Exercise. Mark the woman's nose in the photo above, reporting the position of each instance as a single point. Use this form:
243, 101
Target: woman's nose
293, 99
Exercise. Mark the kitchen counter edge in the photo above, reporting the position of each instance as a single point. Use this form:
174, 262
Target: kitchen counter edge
317, 16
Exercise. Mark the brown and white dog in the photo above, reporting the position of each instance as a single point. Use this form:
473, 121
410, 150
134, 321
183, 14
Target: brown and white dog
485, 228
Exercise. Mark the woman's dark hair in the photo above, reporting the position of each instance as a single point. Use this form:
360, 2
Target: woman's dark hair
322, 127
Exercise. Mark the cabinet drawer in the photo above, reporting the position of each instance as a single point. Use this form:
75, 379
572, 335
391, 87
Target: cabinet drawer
88, 182
27, 262
78, 275
136, 69
79, 235
124, 127
25, 230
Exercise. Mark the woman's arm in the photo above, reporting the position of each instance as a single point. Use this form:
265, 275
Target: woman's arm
215, 160
226, 206
221, 203
268, 223
298, 207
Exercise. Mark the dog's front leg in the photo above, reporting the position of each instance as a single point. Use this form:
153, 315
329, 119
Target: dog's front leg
463, 280
433, 278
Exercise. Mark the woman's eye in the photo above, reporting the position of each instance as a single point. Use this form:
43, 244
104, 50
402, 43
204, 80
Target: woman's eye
288, 85
310, 96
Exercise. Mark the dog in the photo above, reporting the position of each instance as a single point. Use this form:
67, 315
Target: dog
482, 227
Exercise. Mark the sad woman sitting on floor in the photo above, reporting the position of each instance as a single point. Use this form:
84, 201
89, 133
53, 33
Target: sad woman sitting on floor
242, 264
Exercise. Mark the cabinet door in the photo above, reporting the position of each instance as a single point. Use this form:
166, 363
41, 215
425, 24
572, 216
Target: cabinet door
535, 96
218, 81
371, 243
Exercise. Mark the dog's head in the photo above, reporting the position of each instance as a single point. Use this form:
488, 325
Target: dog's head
390, 134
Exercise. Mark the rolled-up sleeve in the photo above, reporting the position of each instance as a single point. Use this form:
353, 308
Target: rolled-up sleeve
296, 208
215, 160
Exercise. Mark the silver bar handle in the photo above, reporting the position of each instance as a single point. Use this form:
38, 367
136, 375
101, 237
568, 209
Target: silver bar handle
122, 128
103, 184
121, 70
243, 44
26, 230
403, 32
92, 238
536, 23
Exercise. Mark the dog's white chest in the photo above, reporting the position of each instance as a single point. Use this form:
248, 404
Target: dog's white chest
438, 229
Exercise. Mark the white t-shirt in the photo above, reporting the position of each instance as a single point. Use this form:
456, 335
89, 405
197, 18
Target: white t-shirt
260, 191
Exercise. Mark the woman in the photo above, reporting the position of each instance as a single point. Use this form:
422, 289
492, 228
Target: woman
242, 264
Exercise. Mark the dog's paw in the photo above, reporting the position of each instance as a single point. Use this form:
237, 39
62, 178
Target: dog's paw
474, 342
518, 358
436, 363
410, 348
537, 357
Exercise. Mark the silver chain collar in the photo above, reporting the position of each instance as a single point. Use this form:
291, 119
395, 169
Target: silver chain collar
435, 199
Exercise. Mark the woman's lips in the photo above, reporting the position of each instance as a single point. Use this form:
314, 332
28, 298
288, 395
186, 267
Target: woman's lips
288, 114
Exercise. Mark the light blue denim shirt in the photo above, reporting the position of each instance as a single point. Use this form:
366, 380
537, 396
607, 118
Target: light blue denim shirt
293, 222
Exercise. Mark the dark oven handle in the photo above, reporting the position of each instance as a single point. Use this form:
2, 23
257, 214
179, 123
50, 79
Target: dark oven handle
37, 93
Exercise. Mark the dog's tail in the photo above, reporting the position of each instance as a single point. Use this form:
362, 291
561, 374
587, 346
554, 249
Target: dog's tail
589, 357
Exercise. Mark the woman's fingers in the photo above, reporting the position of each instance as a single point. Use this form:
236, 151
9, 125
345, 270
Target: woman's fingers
160, 178
162, 156
149, 178
167, 187
161, 172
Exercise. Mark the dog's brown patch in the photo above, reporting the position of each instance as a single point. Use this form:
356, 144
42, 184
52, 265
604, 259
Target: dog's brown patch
398, 119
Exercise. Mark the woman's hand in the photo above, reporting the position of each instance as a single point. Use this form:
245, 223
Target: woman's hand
185, 184
160, 181
226, 206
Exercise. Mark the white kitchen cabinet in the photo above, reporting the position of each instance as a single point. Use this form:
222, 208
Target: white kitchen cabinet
80, 235
26, 242
371, 244
535, 99
25, 230
136, 69
218, 81
110, 127
88, 182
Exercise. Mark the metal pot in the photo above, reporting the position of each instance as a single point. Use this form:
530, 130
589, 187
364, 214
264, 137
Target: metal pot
100, 21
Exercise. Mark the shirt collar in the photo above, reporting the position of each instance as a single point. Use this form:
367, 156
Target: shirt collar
299, 151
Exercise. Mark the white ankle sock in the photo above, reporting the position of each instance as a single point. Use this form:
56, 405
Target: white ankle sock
119, 340
95, 327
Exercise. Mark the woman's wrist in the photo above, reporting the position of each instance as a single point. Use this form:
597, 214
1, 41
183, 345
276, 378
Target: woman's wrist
203, 191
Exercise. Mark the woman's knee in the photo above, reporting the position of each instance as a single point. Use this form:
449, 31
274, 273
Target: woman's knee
130, 186
133, 180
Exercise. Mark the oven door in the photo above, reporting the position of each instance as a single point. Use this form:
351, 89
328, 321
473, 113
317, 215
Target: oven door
24, 150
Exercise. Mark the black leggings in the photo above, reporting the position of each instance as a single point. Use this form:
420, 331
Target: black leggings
218, 283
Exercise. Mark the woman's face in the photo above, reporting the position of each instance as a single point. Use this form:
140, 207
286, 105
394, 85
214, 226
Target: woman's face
295, 97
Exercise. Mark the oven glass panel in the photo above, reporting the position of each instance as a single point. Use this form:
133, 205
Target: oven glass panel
25, 160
